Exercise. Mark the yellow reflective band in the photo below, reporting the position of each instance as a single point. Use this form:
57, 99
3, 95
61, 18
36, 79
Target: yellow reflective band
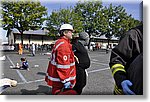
117, 65
118, 69
118, 91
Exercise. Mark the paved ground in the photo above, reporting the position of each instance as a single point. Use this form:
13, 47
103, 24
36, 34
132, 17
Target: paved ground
100, 81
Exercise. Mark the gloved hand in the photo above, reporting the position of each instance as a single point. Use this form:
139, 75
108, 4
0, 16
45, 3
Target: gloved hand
67, 85
126, 87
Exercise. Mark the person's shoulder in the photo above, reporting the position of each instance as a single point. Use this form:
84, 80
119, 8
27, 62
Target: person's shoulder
136, 31
58, 41
61, 44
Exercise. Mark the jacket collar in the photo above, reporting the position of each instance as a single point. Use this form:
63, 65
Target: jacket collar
68, 40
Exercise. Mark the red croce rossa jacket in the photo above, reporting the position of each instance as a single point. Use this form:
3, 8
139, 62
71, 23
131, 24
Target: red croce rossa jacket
61, 68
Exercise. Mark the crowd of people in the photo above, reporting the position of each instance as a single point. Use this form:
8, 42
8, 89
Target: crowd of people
29, 47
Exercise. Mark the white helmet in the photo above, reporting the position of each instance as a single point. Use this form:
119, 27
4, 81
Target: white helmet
66, 26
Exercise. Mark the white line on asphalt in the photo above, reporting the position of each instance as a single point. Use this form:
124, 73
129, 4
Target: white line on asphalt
32, 81
99, 55
21, 76
38, 60
98, 70
19, 73
93, 71
95, 60
100, 63
33, 60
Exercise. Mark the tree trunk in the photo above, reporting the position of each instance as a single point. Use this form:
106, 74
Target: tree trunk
29, 38
22, 38
108, 42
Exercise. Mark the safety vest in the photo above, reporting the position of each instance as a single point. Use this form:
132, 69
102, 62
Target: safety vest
61, 68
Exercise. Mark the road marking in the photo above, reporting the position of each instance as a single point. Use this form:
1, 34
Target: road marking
21, 76
100, 63
34, 81
95, 60
99, 55
19, 73
98, 70
30, 60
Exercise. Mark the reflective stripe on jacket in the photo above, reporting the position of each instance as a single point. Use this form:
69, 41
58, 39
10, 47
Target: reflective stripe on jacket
117, 67
61, 66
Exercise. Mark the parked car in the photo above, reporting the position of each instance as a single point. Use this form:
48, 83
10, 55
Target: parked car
6, 47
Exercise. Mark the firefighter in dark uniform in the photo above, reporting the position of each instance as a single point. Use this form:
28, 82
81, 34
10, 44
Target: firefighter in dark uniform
83, 60
126, 63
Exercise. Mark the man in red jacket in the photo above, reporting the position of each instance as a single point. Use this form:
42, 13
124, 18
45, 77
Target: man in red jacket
61, 72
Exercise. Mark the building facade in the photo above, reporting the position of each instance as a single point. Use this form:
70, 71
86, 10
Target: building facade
32, 36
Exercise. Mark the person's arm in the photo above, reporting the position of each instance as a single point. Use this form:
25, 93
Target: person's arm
75, 50
121, 55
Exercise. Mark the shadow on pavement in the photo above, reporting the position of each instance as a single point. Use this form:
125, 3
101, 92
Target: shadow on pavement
42, 90
41, 73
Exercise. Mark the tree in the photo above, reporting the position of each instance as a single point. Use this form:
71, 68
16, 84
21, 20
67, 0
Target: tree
96, 20
88, 12
57, 18
23, 15
117, 22
123, 22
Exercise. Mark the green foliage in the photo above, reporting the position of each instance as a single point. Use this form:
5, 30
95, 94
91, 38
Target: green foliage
92, 17
23, 15
88, 11
57, 18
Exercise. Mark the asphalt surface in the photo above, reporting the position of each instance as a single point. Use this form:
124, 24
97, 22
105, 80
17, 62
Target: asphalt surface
100, 81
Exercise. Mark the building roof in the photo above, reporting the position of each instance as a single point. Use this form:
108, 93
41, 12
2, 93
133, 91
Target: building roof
33, 32
103, 37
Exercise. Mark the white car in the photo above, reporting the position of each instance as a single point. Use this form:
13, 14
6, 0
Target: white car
7, 47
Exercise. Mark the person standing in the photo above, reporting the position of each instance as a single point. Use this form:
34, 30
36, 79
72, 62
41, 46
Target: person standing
33, 49
20, 49
126, 63
83, 61
61, 72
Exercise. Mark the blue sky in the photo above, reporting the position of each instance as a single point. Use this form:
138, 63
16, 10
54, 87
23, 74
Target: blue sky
131, 6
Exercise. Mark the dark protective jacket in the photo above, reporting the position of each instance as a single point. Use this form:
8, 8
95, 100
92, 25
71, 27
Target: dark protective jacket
124, 54
82, 55
84, 63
